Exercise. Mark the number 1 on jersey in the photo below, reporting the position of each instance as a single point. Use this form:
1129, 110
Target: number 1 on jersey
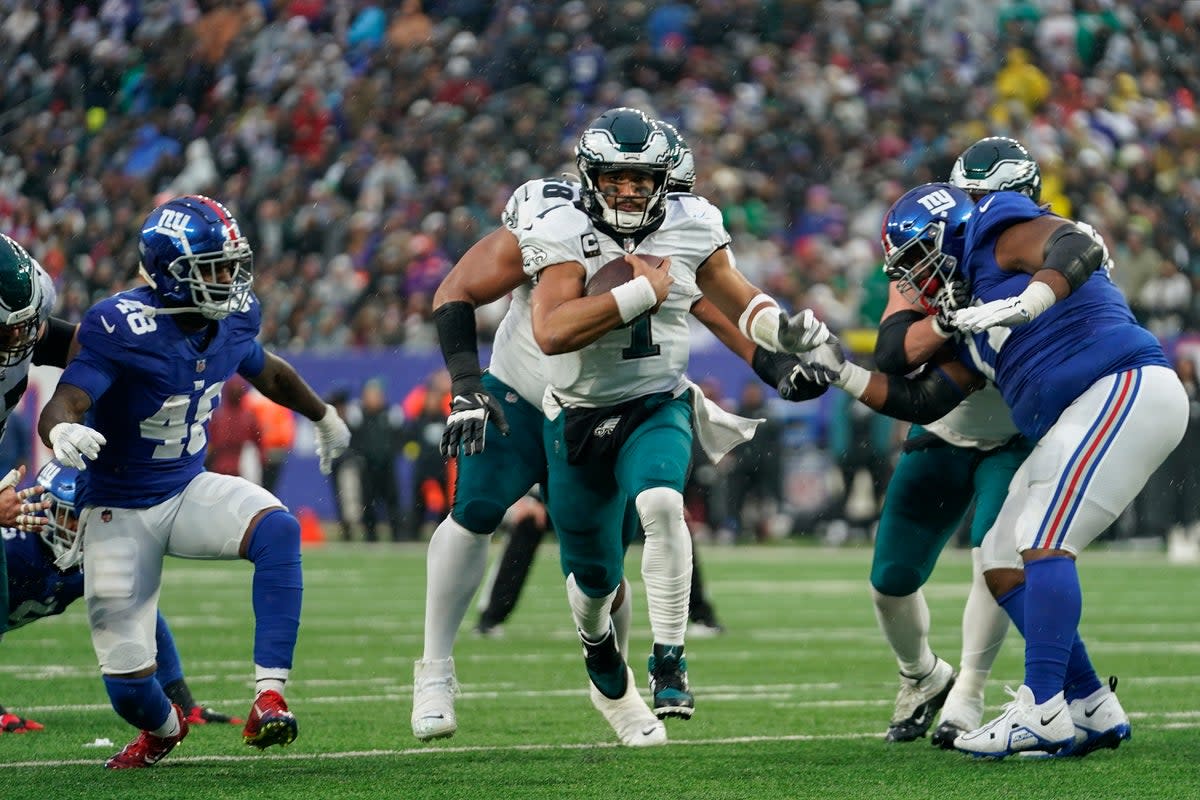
641, 341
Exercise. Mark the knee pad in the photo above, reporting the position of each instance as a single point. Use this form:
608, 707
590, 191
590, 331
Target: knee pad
125, 658
658, 507
896, 580
479, 516
276, 539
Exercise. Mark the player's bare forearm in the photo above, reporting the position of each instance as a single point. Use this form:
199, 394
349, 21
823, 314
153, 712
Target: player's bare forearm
67, 404
725, 331
280, 383
726, 288
563, 319
488, 271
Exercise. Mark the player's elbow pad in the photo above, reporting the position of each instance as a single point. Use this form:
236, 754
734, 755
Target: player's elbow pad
889, 344
1072, 253
922, 400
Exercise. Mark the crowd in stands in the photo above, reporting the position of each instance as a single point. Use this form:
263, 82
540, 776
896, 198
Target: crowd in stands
365, 145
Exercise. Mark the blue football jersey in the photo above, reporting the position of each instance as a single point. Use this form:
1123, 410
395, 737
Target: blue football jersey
36, 588
153, 389
1043, 366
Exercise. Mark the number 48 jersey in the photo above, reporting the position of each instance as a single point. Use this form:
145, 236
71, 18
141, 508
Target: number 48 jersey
153, 389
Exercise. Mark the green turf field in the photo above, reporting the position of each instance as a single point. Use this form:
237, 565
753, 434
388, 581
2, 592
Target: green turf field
791, 701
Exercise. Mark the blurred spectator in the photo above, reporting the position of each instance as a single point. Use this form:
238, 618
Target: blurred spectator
1170, 503
376, 440
234, 438
425, 409
345, 478
278, 427
755, 476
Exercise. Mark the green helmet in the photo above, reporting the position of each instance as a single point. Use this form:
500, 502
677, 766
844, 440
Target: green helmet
682, 177
20, 303
997, 164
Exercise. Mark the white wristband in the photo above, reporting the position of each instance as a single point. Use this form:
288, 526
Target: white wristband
854, 380
1037, 297
634, 298
763, 327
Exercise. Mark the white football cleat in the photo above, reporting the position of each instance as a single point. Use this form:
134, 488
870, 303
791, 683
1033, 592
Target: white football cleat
434, 688
918, 702
1100, 721
1024, 725
629, 716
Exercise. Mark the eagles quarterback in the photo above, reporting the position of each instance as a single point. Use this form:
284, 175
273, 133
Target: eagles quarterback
497, 470
146, 380
618, 405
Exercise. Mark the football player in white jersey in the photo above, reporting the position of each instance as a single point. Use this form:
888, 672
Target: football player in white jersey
496, 471
619, 407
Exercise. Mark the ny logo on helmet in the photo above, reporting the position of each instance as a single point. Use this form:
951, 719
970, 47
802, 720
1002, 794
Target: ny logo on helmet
172, 222
937, 202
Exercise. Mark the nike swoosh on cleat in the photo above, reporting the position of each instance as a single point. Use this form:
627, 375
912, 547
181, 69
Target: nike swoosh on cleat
650, 730
1088, 712
1053, 716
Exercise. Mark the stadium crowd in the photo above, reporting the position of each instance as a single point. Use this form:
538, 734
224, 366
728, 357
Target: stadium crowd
365, 145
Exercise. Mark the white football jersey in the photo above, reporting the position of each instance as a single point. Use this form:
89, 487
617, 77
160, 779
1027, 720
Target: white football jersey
982, 421
14, 379
652, 354
516, 358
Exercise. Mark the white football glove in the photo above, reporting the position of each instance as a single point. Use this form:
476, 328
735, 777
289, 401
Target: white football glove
1006, 312
1107, 263
802, 332
72, 443
333, 437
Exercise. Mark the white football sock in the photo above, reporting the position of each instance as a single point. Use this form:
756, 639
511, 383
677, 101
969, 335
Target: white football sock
169, 728
622, 618
905, 624
666, 563
984, 626
591, 614
454, 567
268, 679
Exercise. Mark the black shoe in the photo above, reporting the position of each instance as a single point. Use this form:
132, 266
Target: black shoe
605, 666
945, 735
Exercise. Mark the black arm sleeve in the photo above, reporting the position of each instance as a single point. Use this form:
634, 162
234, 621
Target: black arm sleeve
923, 399
51, 350
889, 344
1073, 253
455, 323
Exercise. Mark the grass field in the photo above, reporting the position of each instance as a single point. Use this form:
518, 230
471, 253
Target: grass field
791, 701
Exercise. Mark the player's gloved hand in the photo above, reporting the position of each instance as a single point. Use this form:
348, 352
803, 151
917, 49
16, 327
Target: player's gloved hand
823, 365
954, 295
10, 499
1106, 263
333, 437
801, 332
778, 370
72, 443
203, 715
11, 723
466, 427
31, 516
1007, 311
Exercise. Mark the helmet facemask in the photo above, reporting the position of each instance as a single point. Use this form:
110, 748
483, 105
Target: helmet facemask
618, 140
219, 283
20, 303
919, 268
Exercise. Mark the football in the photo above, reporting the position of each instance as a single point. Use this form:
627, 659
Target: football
616, 272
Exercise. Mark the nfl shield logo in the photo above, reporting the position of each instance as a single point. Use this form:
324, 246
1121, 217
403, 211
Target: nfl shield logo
201, 364
106, 516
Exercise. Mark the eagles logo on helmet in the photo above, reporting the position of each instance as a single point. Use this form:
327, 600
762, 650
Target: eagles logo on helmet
624, 139
20, 303
997, 164
195, 257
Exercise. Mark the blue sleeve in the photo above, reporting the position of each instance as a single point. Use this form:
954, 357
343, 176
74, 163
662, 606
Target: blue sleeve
102, 350
995, 214
253, 362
